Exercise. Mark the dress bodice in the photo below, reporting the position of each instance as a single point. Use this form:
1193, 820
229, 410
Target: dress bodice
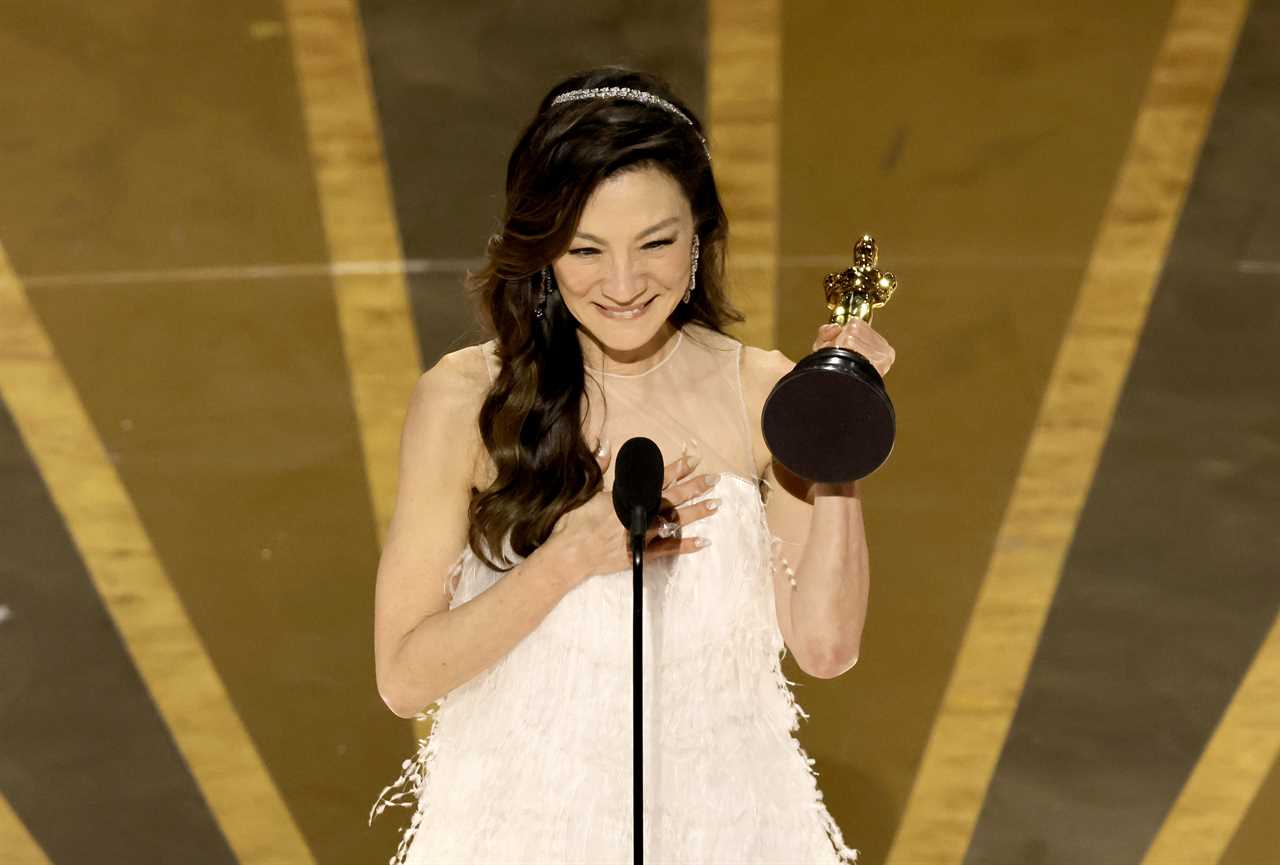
531, 761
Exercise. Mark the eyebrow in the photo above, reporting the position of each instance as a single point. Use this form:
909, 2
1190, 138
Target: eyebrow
650, 230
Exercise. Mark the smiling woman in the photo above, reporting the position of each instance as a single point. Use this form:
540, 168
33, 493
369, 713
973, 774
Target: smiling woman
603, 293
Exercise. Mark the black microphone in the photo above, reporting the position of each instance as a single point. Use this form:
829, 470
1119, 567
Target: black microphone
637, 485
637, 495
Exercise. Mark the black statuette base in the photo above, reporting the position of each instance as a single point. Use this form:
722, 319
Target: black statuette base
830, 419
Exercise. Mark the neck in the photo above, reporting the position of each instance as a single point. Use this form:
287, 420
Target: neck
599, 356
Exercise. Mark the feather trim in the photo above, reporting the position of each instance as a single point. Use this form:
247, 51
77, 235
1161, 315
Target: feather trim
724, 743
406, 791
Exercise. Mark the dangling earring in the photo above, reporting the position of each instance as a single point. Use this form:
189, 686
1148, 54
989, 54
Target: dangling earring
541, 308
693, 272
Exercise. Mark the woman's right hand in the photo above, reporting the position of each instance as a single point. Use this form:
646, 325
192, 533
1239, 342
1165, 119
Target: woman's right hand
592, 542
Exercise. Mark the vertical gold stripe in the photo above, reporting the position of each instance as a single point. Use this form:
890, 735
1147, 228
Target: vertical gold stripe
374, 318
109, 536
16, 843
360, 225
1074, 418
743, 92
1233, 766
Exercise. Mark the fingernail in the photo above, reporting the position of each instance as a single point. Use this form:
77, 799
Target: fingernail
710, 480
701, 542
712, 504
692, 460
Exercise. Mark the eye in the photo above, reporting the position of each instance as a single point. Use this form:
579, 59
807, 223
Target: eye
584, 251
656, 244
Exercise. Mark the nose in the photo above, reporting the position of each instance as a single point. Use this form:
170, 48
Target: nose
622, 287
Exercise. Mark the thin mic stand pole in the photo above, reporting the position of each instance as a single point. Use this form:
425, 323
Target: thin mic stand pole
637, 691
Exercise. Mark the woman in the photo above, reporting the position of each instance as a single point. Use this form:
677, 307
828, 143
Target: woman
604, 292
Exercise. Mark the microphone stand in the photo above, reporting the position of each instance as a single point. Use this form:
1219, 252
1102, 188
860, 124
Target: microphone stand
637, 496
637, 530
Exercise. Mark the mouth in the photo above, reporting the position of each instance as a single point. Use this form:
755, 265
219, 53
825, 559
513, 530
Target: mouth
624, 313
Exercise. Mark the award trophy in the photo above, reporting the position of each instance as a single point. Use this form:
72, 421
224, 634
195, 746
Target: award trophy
830, 419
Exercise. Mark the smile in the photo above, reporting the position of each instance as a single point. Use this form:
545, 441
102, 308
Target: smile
624, 314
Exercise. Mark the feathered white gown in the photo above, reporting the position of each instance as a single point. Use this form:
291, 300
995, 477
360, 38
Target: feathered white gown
531, 761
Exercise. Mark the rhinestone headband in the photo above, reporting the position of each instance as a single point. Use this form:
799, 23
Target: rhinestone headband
634, 95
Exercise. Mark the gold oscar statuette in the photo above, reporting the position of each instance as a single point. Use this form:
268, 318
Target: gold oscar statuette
830, 419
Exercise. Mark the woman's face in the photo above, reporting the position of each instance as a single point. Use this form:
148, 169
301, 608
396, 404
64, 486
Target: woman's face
631, 251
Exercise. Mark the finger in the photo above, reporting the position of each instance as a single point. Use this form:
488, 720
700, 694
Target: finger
826, 333
681, 468
676, 546
852, 332
683, 515
603, 453
860, 332
665, 514
679, 493
679, 517
863, 343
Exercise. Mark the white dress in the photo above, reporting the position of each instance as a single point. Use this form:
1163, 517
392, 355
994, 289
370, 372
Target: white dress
531, 761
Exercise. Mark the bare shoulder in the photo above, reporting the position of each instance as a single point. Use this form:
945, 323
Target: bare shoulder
453, 389
464, 369
761, 369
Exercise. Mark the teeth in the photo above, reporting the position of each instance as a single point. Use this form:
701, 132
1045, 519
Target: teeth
629, 313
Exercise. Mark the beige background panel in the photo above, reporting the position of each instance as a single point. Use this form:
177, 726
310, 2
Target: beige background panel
1074, 419
150, 134
1258, 833
135, 589
243, 455
374, 318
1230, 771
743, 84
360, 229
15, 841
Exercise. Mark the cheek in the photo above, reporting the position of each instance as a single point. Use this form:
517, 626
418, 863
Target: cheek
672, 273
573, 283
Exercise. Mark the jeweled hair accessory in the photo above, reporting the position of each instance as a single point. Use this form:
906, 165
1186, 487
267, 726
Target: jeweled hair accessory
634, 95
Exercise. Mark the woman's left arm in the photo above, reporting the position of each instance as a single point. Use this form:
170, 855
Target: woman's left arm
822, 568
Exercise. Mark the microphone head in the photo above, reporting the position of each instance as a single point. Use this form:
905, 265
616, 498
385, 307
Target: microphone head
637, 479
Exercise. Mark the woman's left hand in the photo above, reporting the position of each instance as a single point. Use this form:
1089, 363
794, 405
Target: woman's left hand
860, 337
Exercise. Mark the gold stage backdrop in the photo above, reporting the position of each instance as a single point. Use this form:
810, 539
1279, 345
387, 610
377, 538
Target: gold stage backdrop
232, 235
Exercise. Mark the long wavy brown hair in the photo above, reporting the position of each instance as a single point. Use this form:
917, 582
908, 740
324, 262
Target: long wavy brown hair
530, 420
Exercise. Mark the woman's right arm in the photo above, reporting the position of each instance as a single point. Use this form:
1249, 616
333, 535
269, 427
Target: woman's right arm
423, 649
